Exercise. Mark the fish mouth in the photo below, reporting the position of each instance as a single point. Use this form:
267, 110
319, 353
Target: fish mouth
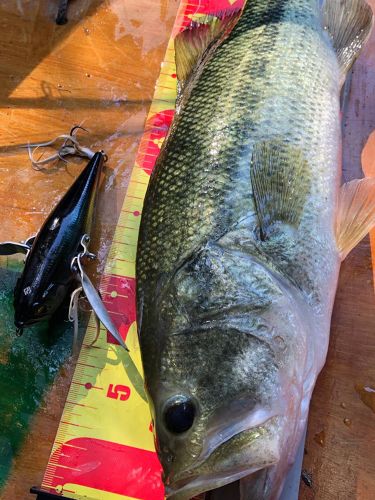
184, 488
197, 479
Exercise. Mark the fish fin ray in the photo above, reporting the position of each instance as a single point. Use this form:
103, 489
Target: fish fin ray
356, 213
349, 23
280, 178
192, 43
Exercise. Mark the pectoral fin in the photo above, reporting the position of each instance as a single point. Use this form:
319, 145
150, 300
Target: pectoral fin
191, 44
349, 23
356, 213
280, 178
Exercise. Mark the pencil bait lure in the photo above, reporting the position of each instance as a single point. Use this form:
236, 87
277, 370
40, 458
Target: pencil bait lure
54, 257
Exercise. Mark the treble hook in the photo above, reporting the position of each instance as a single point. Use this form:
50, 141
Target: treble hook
76, 127
91, 293
70, 146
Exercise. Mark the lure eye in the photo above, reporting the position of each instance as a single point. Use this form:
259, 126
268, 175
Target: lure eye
40, 309
179, 415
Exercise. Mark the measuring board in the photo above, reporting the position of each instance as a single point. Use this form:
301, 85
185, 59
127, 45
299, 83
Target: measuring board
104, 447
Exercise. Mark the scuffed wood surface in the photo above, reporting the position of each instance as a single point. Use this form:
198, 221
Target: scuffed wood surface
100, 69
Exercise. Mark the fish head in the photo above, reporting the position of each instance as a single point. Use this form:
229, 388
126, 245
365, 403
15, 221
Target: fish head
217, 418
32, 306
227, 389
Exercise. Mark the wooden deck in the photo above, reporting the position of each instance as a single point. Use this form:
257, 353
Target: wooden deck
100, 70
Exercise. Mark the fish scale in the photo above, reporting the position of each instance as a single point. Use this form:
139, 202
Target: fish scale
246, 184
240, 78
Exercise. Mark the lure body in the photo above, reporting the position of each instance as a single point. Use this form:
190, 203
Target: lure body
47, 276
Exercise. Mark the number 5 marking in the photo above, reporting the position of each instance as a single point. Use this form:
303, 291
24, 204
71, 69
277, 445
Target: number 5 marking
120, 391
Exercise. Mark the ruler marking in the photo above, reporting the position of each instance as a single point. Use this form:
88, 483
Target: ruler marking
132, 228
49, 475
95, 347
83, 385
90, 366
76, 425
88, 355
136, 198
125, 260
138, 182
74, 446
66, 467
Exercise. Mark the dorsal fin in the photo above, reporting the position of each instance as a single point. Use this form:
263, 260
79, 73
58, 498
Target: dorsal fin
191, 44
356, 213
280, 178
349, 23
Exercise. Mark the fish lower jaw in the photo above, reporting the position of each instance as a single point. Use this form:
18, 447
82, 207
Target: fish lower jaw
184, 489
250, 450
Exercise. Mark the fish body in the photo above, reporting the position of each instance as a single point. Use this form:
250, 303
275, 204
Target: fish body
237, 261
47, 276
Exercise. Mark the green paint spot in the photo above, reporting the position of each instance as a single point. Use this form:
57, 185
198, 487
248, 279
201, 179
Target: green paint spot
114, 294
28, 365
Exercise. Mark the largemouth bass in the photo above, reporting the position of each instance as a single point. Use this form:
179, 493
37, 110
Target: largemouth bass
243, 230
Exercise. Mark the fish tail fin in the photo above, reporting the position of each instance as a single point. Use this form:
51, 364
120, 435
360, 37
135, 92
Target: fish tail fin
356, 213
349, 23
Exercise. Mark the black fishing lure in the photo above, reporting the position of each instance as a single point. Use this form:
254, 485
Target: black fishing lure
54, 257
47, 276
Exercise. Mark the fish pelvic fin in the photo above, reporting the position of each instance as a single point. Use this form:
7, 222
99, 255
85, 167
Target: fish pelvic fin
192, 43
349, 23
281, 179
356, 213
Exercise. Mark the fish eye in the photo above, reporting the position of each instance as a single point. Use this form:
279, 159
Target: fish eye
179, 414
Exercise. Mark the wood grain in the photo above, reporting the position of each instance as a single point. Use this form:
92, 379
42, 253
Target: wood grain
100, 69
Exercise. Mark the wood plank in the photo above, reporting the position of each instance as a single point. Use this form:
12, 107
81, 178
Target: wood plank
100, 68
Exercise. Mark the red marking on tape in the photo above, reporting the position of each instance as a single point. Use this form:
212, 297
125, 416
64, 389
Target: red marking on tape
157, 128
108, 466
121, 305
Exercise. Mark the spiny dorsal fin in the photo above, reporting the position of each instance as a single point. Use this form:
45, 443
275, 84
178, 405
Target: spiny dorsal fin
281, 179
349, 22
191, 44
356, 213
